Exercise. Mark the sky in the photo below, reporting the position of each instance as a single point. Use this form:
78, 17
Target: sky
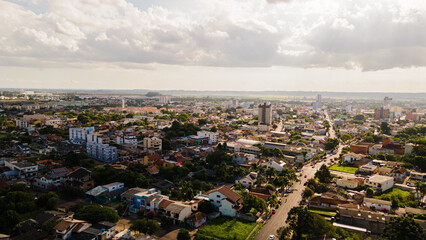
283, 45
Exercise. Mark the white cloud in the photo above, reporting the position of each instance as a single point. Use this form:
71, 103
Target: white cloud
368, 35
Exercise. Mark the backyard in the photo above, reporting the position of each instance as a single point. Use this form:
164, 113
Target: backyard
225, 228
404, 198
340, 168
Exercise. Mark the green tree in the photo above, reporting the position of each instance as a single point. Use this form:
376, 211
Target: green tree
403, 228
205, 207
300, 222
183, 234
385, 128
145, 226
369, 192
323, 174
331, 143
96, 213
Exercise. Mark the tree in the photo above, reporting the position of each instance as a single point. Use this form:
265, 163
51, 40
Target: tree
96, 213
307, 193
331, 143
345, 137
369, 192
183, 234
300, 221
384, 128
48, 200
323, 174
145, 226
205, 207
403, 228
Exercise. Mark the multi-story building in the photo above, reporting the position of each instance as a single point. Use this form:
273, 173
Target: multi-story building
79, 135
379, 183
381, 113
102, 152
213, 136
225, 200
164, 100
127, 139
264, 116
25, 169
21, 124
152, 144
318, 103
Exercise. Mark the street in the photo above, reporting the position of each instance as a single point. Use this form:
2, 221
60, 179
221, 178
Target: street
292, 200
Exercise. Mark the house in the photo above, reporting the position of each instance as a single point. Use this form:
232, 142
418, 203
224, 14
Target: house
378, 204
178, 211
276, 164
368, 169
81, 179
326, 203
242, 158
152, 203
399, 174
164, 184
55, 179
152, 170
65, 228
349, 183
379, 183
152, 144
248, 180
351, 157
149, 160
139, 199
197, 219
127, 196
106, 193
418, 176
360, 148
225, 200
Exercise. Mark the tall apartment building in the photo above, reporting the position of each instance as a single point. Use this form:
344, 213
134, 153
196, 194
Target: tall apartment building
152, 144
213, 136
164, 100
264, 116
102, 152
318, 103
79, 135
381, 113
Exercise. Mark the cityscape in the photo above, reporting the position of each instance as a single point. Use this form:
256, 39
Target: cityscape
212, 120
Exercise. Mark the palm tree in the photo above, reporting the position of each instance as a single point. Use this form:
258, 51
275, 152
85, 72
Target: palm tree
418, 186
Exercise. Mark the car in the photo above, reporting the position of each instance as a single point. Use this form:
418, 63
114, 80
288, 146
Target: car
274, 211
271, 237
306, 176
288, 191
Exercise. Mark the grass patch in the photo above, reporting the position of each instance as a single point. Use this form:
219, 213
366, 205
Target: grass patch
323, 213
404, 198
256, 231
340, 168
225, 228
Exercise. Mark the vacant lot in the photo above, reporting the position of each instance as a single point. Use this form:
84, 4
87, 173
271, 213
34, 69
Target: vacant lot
404, 198
225, 228
341, 168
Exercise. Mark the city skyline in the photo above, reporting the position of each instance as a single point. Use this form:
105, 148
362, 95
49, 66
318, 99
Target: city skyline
256, 45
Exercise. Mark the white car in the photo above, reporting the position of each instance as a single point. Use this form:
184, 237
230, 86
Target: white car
271, 237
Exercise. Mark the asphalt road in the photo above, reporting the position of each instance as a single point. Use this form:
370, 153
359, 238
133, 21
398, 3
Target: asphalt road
292, 200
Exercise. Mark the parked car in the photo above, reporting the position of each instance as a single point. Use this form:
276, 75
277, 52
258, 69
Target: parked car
274, 211
306, 176
271, 237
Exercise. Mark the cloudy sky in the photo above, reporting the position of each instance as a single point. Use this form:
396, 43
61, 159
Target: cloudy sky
313, 45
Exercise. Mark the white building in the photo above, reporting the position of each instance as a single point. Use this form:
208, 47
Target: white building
379, 182
102, 152
127, 139
378, 204
53, 122
79, 135
249, 179
213, 136
277, 165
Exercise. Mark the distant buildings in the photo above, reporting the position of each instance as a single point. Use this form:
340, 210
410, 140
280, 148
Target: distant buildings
126, 139
164, 100
264, 116
102, 152
152, 144
380, 114
318, 103
212, 136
